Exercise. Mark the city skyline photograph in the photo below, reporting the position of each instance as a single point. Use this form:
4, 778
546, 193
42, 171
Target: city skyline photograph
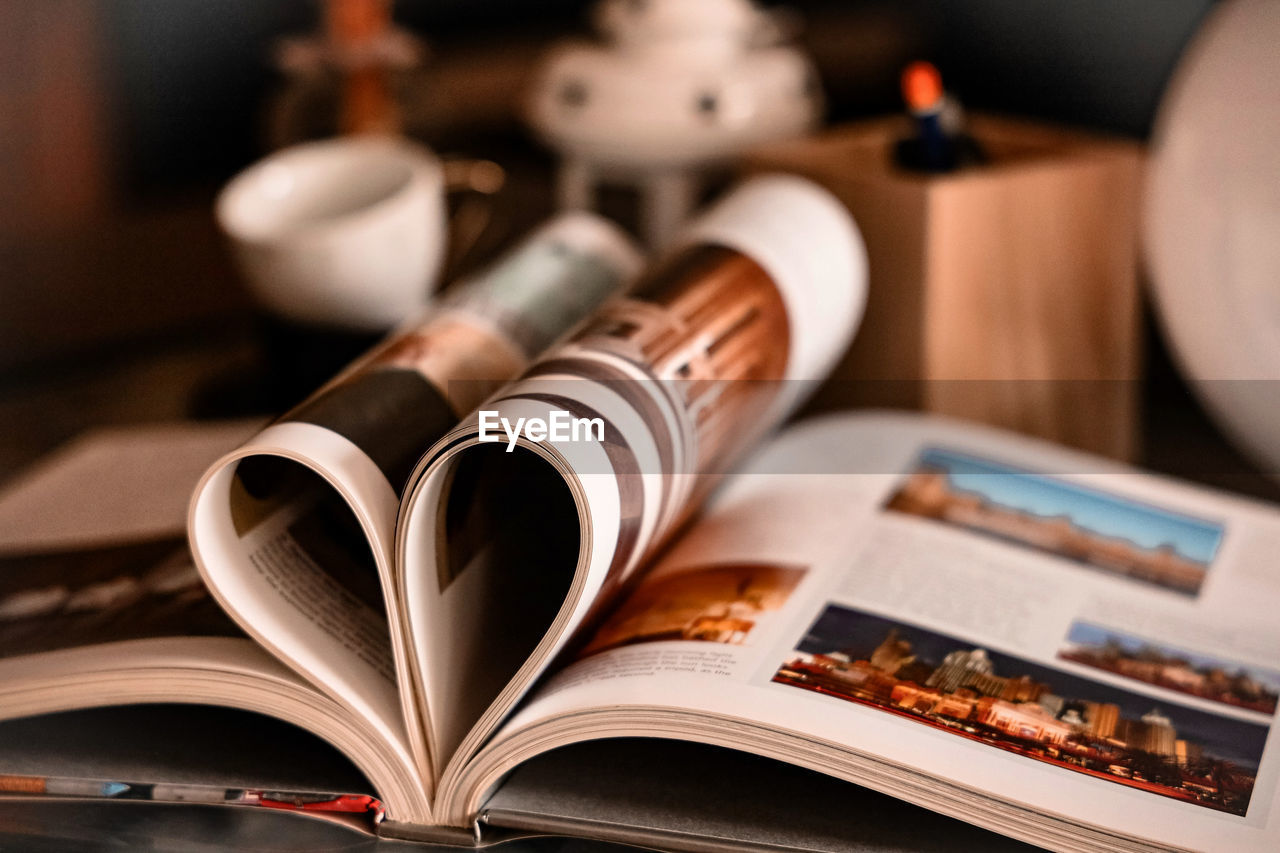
1197, 674
1021, 706
1105, 531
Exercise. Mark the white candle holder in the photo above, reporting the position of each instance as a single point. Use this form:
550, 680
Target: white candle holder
672, 89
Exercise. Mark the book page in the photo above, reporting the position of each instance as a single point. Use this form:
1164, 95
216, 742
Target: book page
1016, 621
113, 485
226, 672
82, 597
291, 535
505, 546
294, 530
101, 604
92, 540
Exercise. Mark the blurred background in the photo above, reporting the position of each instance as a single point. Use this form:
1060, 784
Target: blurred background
121, 119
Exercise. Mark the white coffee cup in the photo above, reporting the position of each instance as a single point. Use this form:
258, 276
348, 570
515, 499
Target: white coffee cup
348, 232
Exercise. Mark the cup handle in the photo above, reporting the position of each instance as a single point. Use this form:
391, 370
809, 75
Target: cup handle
474, 183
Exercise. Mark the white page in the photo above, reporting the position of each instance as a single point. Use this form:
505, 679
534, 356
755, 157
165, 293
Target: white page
822, 563
119, 484
277, 593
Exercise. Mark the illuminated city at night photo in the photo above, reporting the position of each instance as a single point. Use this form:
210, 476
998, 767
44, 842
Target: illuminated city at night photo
1042, 713
1107, 532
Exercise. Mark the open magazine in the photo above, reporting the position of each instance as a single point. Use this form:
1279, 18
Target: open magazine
1032, 640
101, 603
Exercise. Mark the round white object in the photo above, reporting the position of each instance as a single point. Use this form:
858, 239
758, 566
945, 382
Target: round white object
643, 22
347, 232
674, 85
1212, 220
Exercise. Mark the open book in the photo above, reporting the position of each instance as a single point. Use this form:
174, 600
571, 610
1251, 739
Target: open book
1032, 640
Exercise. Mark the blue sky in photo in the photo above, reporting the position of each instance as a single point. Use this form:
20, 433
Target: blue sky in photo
1084, 634
1106, 514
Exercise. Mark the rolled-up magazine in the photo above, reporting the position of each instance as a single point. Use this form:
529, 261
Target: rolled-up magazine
759, 298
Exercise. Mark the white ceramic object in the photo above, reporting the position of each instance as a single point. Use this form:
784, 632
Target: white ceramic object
675, 87
346, 232
1212, 220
